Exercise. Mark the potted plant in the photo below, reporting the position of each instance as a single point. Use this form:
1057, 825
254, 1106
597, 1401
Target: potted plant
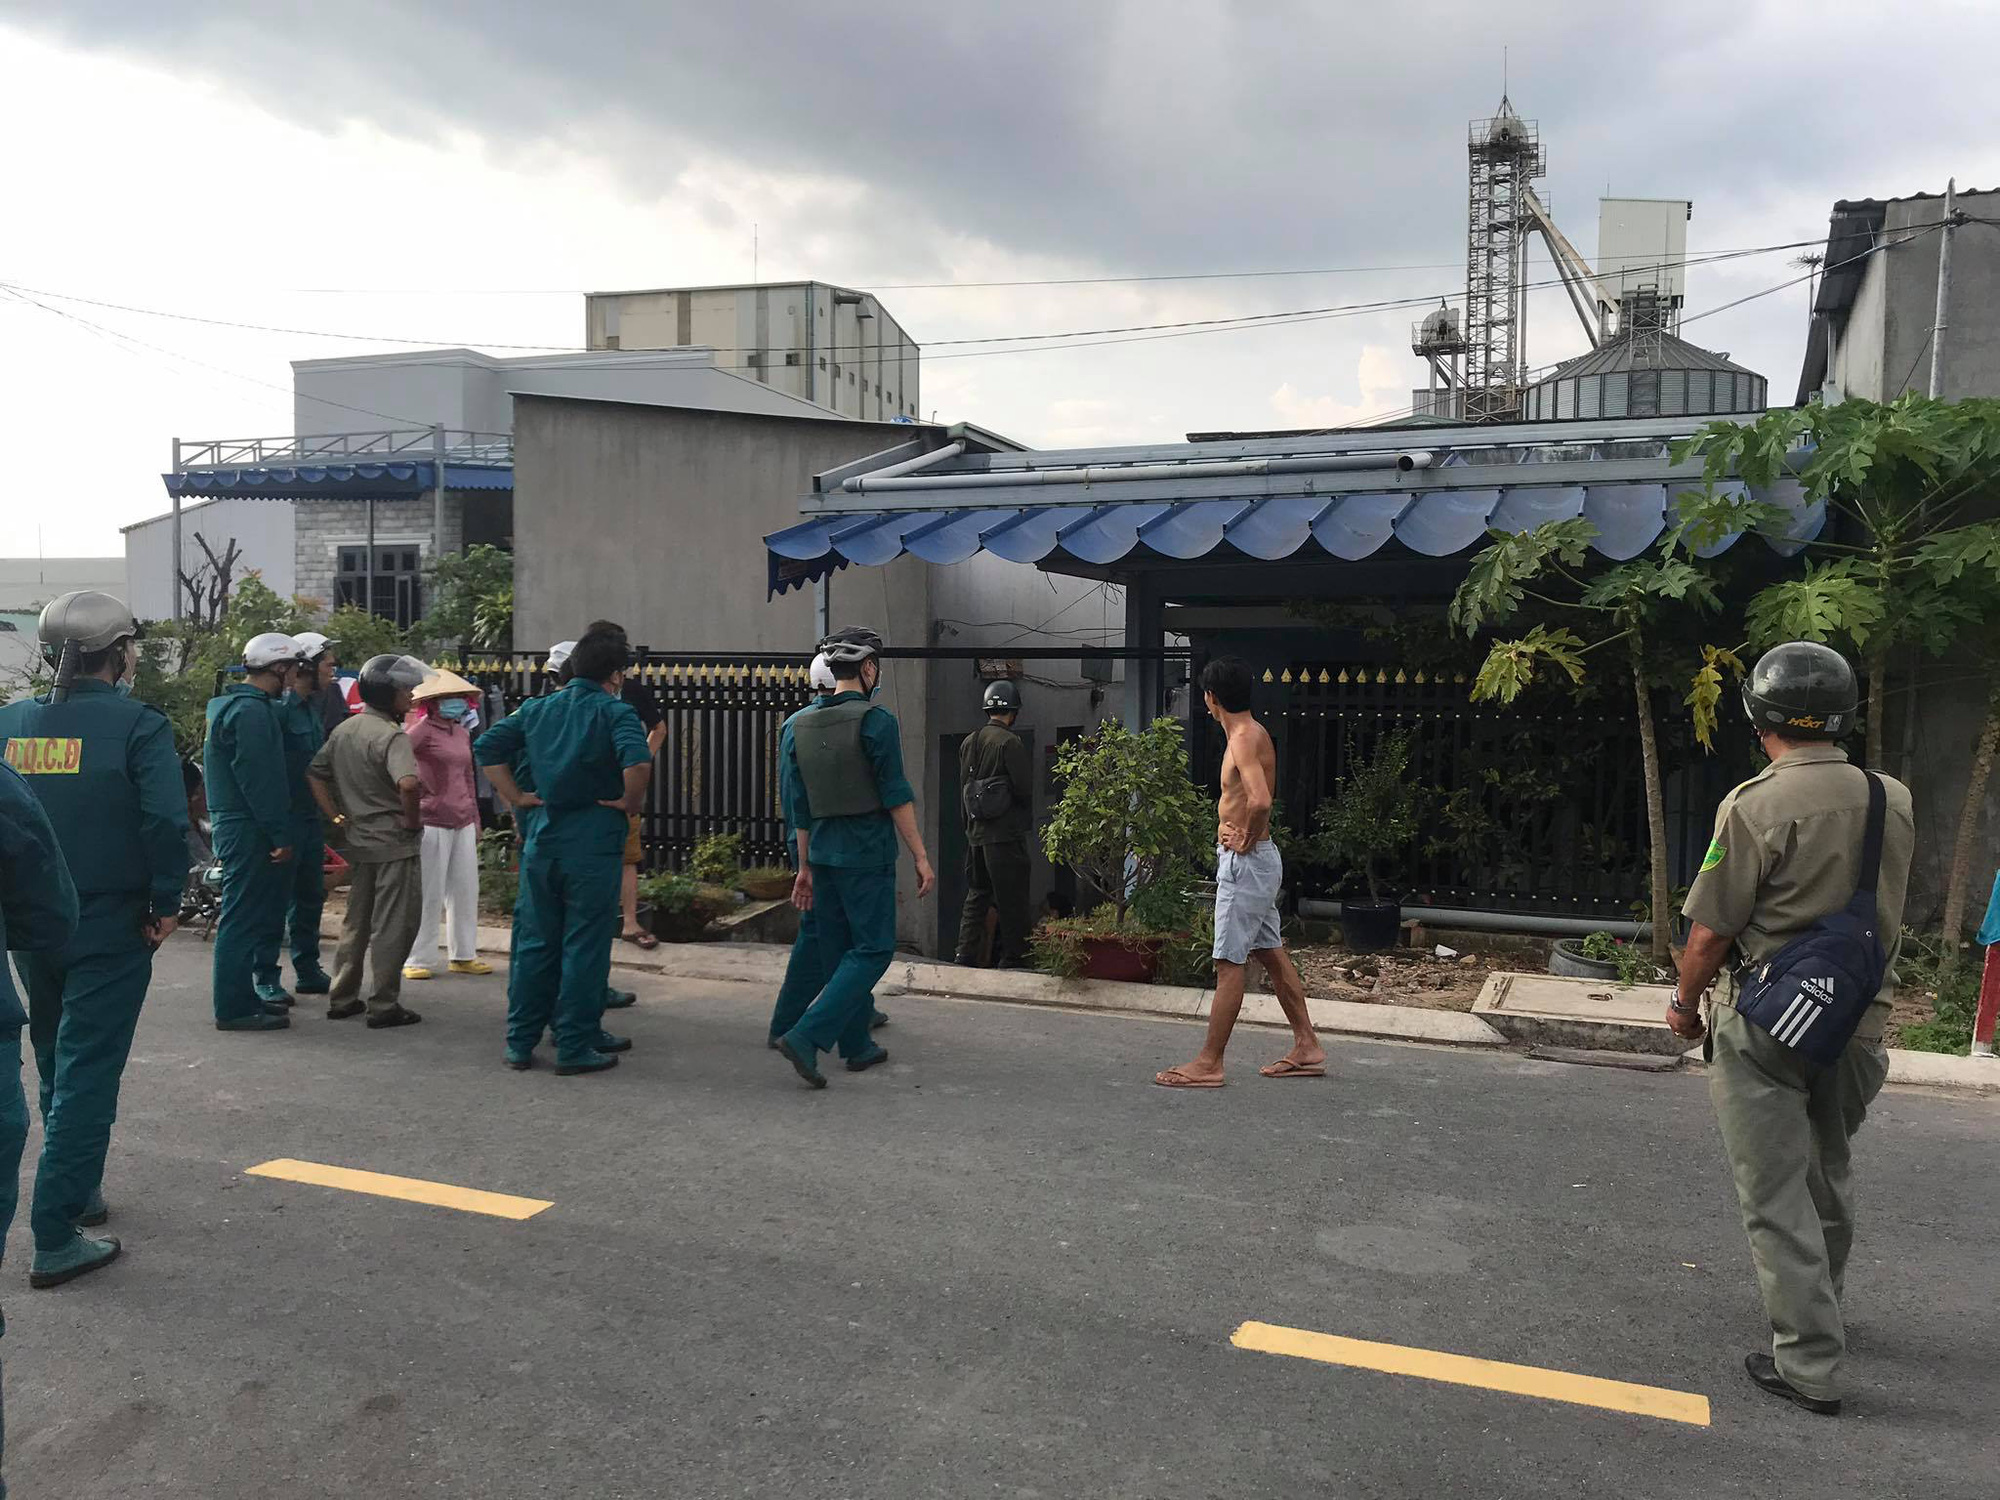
765, 882
1591, 957
1129, 810
1599, 955
681, 906
1371, 816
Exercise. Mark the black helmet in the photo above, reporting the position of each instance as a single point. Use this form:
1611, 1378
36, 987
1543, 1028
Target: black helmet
1002, 697
1802, 691
850, 647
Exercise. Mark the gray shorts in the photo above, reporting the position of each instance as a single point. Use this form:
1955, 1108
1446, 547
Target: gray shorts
1246, 901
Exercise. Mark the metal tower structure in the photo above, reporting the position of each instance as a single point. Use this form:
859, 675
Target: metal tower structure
1505, 154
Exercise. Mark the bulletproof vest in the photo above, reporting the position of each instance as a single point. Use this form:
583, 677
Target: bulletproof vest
840, 780
76, 756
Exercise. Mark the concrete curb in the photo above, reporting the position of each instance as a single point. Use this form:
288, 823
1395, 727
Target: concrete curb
764, 964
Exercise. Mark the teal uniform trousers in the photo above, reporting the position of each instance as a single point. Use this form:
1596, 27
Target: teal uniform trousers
855, 913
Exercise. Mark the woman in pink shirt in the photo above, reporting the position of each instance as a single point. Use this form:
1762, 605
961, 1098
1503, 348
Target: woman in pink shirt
438, 733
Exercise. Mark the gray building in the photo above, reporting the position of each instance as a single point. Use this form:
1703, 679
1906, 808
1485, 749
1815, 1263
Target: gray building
655, 516
1874, 317
1877, 301
337, 508
830, 345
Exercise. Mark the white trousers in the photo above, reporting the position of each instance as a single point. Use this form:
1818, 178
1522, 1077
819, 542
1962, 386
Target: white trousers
451, 892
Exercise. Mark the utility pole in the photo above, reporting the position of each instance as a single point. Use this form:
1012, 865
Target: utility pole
1944, 287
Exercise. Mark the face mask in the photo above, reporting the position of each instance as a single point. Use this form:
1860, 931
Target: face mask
453, 709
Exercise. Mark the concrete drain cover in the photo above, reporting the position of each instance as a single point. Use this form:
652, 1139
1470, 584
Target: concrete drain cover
1551, 1010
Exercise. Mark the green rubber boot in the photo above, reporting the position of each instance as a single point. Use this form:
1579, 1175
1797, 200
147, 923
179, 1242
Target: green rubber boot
265, 1022
79, 1257
95, 1212
590, 1062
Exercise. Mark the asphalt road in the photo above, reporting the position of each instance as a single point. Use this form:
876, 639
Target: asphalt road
1002, 1265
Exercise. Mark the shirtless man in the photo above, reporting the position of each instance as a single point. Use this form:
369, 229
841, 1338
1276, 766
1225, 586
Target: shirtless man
1248, 871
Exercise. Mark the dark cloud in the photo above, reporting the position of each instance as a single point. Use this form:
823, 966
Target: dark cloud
1142, 135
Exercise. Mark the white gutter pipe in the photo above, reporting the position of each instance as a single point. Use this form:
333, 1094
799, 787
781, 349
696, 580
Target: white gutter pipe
897, 476
1494, 921
910, 465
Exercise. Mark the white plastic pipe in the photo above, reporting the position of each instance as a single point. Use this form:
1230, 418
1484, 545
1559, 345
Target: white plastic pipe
898, 476
1494, 921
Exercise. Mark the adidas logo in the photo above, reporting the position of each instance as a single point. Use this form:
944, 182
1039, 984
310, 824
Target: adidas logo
1820, 989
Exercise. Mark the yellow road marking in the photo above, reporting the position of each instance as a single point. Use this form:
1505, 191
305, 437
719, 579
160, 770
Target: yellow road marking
409, 1189
1461, 1369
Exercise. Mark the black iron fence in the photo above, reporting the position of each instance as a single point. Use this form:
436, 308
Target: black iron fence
1537, 808
717, 771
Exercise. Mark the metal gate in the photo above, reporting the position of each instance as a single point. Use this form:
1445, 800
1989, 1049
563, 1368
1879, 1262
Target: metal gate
1532, 808
717, 771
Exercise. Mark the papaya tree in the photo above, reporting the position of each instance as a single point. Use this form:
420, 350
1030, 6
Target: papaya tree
1626, 609
1909, 562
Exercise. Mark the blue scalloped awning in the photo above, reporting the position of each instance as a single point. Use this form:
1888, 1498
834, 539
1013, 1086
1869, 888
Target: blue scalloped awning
355, 481
1434, 523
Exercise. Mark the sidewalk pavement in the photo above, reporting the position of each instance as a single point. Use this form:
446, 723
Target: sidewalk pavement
764, 964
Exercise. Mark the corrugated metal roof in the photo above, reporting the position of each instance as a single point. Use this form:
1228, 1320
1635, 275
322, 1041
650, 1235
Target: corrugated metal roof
1633, 354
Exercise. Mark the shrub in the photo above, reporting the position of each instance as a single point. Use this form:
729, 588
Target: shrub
499, 871
1373, 814
716, 857
1129, 809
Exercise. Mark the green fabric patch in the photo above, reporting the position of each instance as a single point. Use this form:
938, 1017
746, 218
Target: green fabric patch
1714, 856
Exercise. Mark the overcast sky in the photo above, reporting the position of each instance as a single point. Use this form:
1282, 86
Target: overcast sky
445, 173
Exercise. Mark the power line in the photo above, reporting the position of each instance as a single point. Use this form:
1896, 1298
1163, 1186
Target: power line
1241, 319
130, 344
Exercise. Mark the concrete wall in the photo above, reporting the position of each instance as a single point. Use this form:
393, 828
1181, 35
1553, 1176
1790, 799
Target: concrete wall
656, 517
453, 386
1883, 350
262, 530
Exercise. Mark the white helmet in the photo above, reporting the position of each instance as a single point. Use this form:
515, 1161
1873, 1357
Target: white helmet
559, 655
314, 644
272, 649
822, 674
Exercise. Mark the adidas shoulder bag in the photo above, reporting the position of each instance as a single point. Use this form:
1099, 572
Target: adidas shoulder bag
1812, 993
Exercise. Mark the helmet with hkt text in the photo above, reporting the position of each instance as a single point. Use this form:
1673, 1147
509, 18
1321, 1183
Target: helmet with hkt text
1002, 697
395, 671
1802, 691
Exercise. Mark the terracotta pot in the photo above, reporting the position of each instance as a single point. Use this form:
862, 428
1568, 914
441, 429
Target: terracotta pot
1135, 960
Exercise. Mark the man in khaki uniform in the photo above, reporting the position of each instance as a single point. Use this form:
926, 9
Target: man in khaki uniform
366, 782
1788, 852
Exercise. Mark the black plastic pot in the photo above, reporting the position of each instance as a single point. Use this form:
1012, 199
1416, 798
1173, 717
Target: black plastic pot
1566, 958
1370, 926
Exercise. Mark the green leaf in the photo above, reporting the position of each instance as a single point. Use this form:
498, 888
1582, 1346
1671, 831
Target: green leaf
1831, 602
1705, 690
1510, 665
1495, 582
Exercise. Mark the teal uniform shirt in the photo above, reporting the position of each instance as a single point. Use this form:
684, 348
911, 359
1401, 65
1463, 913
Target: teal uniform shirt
38, 909
580, 742
104, 769
863, 841
299, 725
243, 764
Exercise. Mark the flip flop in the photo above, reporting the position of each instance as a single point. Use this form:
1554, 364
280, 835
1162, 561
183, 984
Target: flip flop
1174, 1078
1284, 1067
640, 939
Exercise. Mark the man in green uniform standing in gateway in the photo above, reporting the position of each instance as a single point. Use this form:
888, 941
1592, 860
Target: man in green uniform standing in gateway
1788, 851
842, 775
103, 767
